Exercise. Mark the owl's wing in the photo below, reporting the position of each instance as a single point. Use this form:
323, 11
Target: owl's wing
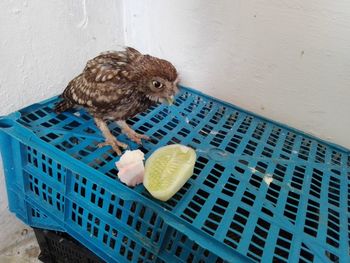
105, 67
111, 65
104, 81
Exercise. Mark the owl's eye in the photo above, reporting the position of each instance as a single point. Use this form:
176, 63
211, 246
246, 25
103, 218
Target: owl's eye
157, 84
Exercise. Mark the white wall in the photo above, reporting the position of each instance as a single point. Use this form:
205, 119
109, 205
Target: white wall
44, 44
287, 60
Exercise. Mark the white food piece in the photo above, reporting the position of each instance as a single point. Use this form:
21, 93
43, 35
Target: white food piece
131, 167
268, 179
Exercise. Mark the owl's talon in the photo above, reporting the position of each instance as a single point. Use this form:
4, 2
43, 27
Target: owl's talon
115, 144
132, 135
145, 137
136, 137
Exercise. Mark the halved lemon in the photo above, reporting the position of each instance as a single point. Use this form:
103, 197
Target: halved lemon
168, 169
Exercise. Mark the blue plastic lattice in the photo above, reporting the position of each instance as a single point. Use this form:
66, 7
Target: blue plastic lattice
225, 212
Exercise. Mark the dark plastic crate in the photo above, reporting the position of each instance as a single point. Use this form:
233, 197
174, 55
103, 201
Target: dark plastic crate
59, 247
225, 212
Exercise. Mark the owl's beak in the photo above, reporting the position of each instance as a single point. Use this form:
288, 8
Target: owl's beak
170, 100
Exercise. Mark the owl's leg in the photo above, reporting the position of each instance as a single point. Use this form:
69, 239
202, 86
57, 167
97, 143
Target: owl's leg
110, 139
133, 135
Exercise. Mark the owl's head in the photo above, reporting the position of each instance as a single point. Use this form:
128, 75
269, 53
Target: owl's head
162, 89
159, 78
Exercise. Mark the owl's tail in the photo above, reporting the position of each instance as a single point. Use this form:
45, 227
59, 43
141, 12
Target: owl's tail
63, 105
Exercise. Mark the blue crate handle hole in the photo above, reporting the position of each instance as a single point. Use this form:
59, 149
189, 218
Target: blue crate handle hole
6, 123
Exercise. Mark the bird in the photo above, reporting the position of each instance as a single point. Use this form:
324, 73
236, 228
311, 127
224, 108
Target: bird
118, 85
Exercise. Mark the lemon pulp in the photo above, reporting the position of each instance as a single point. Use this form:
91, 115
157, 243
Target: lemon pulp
168, 169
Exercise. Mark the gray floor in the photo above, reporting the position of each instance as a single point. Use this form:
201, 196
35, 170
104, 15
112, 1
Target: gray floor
17, 241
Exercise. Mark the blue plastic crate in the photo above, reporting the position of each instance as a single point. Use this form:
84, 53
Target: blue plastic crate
225, 212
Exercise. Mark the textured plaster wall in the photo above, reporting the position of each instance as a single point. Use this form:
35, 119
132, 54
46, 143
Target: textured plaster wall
287, 60
44, 44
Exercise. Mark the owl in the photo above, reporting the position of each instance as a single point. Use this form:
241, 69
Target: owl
117, 85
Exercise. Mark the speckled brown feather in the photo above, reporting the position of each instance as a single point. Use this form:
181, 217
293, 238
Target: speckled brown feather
115, 84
